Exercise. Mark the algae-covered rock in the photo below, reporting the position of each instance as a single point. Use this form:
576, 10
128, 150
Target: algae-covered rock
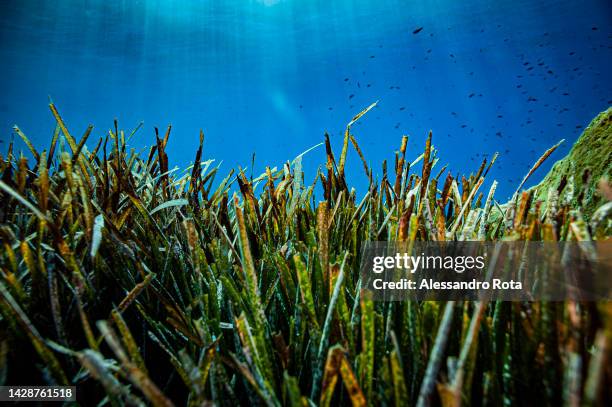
593, 152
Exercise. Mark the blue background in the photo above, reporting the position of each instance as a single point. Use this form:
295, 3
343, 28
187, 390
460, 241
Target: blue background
272, 76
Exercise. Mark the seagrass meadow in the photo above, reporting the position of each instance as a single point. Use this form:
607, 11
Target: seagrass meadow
146, 285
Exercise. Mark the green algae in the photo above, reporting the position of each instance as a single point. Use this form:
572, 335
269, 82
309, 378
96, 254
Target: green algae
589, 160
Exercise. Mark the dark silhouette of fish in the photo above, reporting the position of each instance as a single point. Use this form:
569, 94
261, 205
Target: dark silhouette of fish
418, 30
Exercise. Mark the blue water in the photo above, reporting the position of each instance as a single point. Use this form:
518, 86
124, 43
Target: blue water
271, 76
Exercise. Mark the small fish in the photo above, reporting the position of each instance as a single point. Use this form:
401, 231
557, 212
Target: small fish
351, 96
417, 30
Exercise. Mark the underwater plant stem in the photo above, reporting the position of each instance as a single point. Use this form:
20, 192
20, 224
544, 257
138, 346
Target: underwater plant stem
536, 166
435, 359
326, 327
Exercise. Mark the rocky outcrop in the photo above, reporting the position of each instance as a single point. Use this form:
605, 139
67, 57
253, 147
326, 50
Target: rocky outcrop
589, 160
